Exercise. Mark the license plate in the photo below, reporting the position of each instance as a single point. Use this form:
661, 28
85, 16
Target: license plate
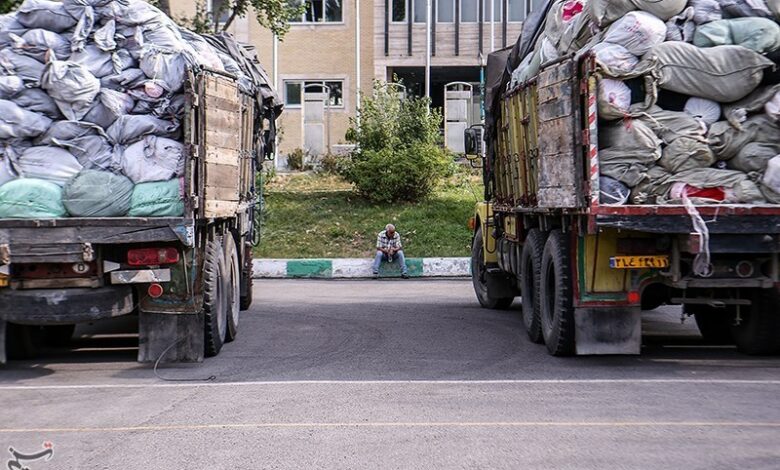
638, 262
3, 281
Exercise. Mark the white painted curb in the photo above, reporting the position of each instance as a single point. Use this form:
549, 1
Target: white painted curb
356, 268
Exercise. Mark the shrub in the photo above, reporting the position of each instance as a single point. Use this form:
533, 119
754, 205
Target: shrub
407, 174
398, 156
332, 164
295, 159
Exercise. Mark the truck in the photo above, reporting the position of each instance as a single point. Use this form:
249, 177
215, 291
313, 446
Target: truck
585, 271
186, 278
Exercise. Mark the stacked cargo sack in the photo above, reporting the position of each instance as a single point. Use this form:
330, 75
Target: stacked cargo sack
91, 104
688, 95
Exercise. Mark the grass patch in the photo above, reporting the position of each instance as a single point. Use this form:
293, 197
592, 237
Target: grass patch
318, 216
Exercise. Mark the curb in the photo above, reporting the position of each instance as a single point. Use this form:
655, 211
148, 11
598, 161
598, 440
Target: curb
345, 268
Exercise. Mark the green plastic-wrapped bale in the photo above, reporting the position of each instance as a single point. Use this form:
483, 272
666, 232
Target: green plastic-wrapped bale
29, 198
157, 199
95, 193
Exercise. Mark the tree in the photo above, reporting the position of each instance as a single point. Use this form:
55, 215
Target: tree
398, 156
272, 14
7, 6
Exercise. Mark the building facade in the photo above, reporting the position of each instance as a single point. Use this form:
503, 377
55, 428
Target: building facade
319, 55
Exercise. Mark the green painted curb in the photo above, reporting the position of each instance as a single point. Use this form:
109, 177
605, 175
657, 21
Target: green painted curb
309, 268
413, 265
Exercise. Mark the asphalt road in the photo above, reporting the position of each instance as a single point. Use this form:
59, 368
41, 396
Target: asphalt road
393, 374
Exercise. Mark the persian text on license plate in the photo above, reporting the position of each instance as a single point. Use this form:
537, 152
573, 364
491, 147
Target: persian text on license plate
638, 262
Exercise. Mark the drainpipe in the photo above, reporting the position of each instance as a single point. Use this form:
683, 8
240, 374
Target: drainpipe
357, 62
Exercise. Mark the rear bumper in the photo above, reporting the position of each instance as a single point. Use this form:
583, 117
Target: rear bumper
64, 306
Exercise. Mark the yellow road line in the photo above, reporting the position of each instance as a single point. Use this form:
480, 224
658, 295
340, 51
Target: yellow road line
497, 424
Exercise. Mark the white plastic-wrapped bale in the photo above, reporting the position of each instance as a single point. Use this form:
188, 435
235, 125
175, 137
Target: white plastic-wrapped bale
109, 107
628, 149
45, 14
87, 142
72, 87
17, 123
48, 163
723, 73
37, 42
637, 31
614, 59
20, 65
131, 128
604, 12
10, 86
153, 159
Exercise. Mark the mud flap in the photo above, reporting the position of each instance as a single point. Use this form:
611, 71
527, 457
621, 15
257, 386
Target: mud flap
182, 333
501, 285
603, 330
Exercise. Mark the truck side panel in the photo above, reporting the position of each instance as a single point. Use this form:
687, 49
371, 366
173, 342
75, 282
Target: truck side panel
221, 143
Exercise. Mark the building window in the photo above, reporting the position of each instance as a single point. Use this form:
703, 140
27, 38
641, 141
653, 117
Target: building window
517, 9
398, 10
469, 11
219, 11
293, 91
420, 11
445, 11
320, 11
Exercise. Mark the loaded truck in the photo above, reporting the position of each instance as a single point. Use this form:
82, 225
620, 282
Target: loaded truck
186, 278
585, 270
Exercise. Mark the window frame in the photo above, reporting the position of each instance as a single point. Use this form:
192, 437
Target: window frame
303, 82
407, 3
303, 22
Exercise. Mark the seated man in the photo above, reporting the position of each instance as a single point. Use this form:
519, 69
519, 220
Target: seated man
388, 247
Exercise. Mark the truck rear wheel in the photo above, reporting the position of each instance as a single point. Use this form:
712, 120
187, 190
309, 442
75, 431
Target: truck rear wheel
556, 296
757, 328
215, 297
714, 323
530, 273
478, 273
233, 286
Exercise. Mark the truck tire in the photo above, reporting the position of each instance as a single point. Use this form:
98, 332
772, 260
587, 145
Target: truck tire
556, 296
233, 282
478, 273
530, 269
215, 297
58, 335
757, 331
714, 323
23, 341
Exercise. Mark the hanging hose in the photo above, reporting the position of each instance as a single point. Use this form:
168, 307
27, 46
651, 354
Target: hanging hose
701, 262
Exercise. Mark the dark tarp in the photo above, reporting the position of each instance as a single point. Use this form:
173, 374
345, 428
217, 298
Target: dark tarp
500, 65
249, 63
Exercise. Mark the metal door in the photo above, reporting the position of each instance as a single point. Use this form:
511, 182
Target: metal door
314, 119
458, 101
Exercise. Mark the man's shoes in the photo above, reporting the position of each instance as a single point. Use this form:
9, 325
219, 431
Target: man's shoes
405, 276
376, 276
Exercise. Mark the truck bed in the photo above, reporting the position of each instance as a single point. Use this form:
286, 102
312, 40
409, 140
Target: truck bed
67, 239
